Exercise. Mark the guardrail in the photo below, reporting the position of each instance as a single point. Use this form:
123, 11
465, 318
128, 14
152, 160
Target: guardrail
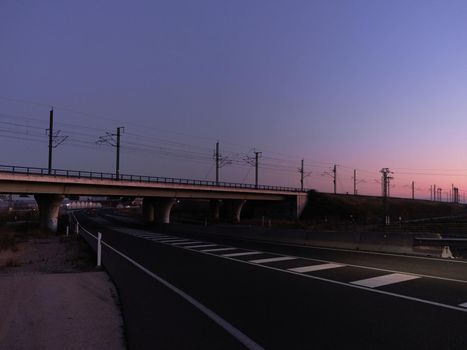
137, 178
433, 241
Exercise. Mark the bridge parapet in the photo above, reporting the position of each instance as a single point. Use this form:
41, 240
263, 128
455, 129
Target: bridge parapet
89, 175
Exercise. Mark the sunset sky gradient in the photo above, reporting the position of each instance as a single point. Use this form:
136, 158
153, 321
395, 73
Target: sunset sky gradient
361, 84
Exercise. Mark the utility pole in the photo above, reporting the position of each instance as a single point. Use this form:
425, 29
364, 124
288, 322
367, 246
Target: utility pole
51, 135
110, 140
413, 189
217, 162
334, 177
257, 154
302, 172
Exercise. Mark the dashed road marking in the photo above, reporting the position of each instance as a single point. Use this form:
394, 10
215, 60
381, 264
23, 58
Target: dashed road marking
319, 267
297, 271
174, 241
385, 280
200, 246
232, 255
186, 243
217, 250
268, 260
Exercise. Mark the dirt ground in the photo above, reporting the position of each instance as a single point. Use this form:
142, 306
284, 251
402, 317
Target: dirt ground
46, 254
52, 296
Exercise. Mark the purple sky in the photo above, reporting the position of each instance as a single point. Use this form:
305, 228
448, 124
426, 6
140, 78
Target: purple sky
363, 84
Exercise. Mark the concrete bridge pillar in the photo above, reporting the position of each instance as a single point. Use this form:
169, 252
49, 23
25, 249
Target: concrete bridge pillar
148, 209
236, 209
300, 204
164, 206
215, 206
49, 206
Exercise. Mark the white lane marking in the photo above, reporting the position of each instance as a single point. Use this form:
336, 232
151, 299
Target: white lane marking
463, 305
187, 243
174, 241
200, 246
236, 333
344, 284
231, 255
356, 252
217, 250
280, 258
157, 238
384, 280
318, 267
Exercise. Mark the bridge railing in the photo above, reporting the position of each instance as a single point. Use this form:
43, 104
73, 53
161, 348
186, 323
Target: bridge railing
137, 178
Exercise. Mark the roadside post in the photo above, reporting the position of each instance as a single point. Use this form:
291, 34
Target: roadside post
99, 249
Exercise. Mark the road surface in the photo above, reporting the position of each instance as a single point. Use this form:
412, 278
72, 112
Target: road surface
192, 291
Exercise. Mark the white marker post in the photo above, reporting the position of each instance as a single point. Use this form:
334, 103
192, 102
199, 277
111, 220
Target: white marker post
77, 228
67, 230
99, 249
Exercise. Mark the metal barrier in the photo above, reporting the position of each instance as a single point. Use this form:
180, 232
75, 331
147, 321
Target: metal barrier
138, 178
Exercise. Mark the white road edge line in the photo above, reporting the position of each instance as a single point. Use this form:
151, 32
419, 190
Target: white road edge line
355, 251
236, 333
384, 280
379, 291
463, 305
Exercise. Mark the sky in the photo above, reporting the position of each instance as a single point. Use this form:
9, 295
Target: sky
362, 84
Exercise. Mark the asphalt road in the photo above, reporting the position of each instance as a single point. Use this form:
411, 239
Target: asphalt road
199, 291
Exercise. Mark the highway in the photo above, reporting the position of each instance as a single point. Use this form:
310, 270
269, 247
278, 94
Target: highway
200, 291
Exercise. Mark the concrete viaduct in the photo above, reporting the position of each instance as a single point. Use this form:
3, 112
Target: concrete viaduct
159, 193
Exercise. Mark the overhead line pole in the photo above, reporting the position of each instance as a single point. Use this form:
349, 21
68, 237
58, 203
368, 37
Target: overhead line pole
117, 167
355, 182
334, 177
302, 171
51, 133
256, 167
217, 163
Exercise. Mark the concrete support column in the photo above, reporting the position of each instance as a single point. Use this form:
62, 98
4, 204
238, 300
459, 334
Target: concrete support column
49, 205
215, 206
148, 209
300, 204
164, 206
236, 209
